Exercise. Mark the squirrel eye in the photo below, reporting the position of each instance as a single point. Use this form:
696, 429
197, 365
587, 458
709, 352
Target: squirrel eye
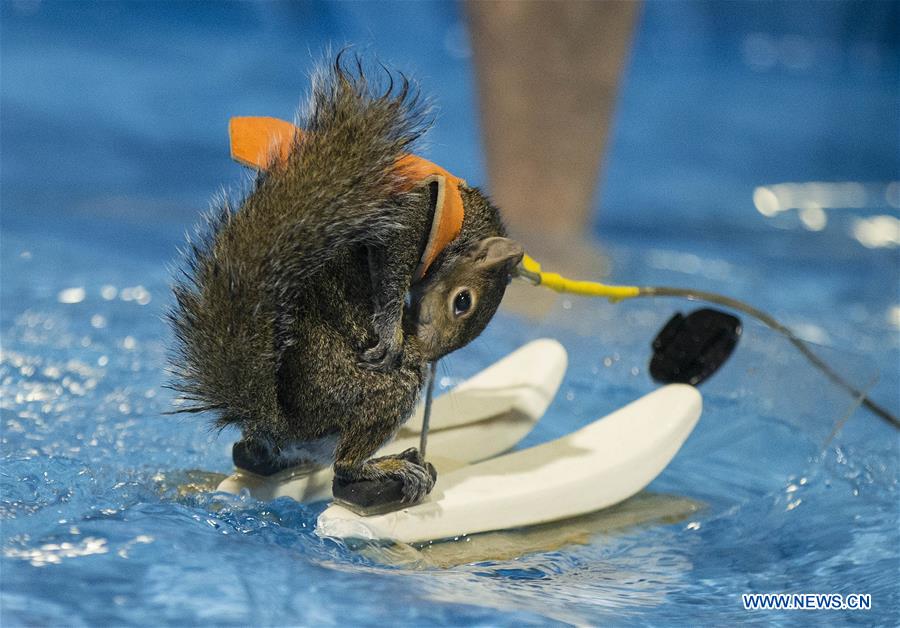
462, 302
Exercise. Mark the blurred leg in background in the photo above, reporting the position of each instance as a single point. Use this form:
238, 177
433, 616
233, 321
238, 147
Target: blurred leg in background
548, 74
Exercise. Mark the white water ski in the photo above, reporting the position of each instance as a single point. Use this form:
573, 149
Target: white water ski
595, 467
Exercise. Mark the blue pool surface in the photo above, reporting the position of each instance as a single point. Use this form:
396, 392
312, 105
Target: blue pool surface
754, 152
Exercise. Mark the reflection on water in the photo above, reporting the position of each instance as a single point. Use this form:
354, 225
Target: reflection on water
547, 569
510, 545
812, 199
877, 231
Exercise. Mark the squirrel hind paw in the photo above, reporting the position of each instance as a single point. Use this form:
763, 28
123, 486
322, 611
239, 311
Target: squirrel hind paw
416, 476
418, 480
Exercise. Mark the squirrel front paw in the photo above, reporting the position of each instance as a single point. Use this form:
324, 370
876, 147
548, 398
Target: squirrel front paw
384, 355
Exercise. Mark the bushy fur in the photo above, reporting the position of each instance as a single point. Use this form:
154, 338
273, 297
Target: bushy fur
280, 297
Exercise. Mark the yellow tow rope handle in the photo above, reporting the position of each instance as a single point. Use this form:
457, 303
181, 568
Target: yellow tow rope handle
530, 270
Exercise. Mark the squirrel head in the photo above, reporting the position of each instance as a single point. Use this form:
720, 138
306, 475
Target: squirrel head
453, 304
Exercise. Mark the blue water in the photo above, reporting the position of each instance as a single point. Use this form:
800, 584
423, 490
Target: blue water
113, 139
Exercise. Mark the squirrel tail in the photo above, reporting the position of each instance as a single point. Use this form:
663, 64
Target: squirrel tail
340, 184
338, 188
219, 359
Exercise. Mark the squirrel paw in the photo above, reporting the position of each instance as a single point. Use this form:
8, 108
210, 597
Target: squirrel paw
384, 355
412, 454
418, 477
417, 481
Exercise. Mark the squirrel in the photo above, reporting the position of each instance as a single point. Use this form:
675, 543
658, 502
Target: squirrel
299, 315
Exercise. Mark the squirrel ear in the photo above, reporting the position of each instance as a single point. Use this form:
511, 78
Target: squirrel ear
497, 251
